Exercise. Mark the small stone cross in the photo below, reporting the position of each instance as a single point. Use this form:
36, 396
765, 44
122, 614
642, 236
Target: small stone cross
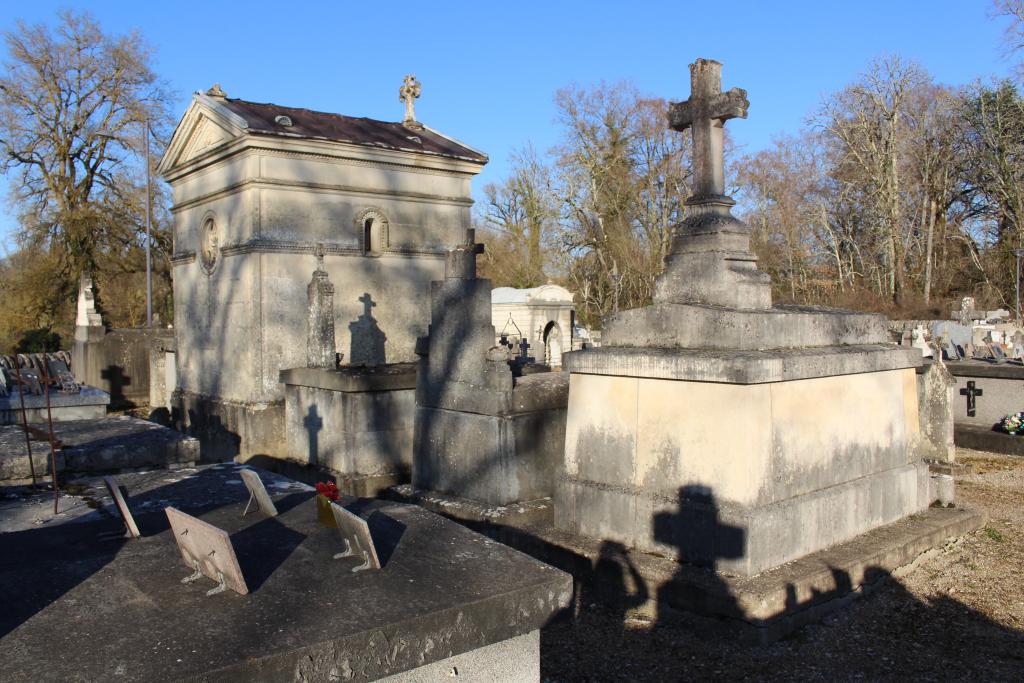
409, 91
971, 392
705, 112
319, 251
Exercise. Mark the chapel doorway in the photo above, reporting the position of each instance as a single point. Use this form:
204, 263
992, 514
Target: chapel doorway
553, 345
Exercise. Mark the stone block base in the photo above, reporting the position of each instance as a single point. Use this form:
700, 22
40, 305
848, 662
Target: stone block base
739, 540
516, 660
748, 476
494, 459
358, 436
229, 429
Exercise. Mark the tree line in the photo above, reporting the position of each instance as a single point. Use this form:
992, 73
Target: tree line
899, 195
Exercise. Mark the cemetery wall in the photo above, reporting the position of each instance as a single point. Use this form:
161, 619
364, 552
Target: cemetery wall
117, 361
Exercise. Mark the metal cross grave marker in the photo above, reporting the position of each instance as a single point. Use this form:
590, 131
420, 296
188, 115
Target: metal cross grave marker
971, 392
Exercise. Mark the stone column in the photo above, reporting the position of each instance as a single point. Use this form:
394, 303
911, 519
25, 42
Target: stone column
320, 347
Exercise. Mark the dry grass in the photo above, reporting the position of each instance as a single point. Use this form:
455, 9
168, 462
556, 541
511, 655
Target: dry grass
957, 616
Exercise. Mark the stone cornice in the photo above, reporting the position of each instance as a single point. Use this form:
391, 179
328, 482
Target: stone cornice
410, 162
183, 258
269, 246
320, 187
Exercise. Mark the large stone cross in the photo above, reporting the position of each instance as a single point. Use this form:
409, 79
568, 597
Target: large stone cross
705, 113
409, 91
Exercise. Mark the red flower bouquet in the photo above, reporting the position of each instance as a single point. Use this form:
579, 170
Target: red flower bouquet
327, 492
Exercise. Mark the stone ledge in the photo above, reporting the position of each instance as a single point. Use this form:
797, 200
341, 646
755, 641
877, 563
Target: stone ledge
982, 368
695, 326
389, 377
740, 367
982, 438
465, 510
761, 608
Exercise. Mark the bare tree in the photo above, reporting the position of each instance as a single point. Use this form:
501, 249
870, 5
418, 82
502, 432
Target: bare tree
73, 103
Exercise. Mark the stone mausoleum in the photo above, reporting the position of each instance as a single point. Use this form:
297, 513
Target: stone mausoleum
258, 191
544, 316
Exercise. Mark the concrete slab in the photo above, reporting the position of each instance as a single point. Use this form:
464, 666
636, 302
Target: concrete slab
90, 403
443, 592
107, 444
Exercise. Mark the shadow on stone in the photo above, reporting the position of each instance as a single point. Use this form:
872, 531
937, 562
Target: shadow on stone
367, 347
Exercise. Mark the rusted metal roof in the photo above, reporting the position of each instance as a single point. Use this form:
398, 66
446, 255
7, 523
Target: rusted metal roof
263, 120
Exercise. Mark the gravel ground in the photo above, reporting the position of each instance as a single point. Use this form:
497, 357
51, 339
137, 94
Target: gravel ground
959, 615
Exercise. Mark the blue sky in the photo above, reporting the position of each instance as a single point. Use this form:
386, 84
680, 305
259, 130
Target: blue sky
490, 70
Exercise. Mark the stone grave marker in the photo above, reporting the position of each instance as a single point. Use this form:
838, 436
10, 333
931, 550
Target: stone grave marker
207, 550
257, 492
355, 532
1018, 344
131, 530
920, 342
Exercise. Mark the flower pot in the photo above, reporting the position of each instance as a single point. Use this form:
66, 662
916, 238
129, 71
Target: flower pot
323, 511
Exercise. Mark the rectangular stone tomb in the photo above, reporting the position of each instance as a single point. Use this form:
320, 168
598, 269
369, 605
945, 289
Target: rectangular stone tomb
257, 493
447, 600
122, 507
355, 533
208, 551
743, 477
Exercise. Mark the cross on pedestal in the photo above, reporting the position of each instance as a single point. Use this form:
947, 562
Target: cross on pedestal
705, 113
971, 392
709, 260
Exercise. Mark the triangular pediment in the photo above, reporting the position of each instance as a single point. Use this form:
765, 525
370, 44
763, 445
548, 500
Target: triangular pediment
205, 127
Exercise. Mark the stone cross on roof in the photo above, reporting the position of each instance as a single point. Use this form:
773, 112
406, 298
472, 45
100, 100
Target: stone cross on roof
409, 91
705, 113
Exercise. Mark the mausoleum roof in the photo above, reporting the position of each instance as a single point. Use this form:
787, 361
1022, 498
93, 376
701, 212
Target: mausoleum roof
544, 293
263, 119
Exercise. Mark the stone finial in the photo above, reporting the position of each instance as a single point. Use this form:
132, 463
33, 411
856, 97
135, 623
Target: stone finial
709, 260
215, 91
408, 93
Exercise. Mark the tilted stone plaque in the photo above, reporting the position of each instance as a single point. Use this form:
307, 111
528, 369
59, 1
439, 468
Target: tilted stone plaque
257, 492
208, 551
355, 533
131, 530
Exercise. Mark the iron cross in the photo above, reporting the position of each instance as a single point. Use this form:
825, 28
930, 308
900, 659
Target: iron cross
705, 113
971, 392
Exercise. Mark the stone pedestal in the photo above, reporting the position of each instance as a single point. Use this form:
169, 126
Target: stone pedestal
739, 460
480, 433
354, 422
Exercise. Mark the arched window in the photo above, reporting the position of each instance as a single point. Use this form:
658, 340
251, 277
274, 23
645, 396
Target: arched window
372, 225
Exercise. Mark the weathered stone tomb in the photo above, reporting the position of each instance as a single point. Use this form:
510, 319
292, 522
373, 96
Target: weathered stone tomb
721, 430
256, 187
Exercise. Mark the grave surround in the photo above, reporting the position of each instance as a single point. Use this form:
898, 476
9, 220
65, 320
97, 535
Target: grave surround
717, 429
445, 597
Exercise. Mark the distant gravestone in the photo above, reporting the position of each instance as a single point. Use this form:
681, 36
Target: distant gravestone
258, 493
208, 551
355, 533
131, 530
1018, 345
919, 341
